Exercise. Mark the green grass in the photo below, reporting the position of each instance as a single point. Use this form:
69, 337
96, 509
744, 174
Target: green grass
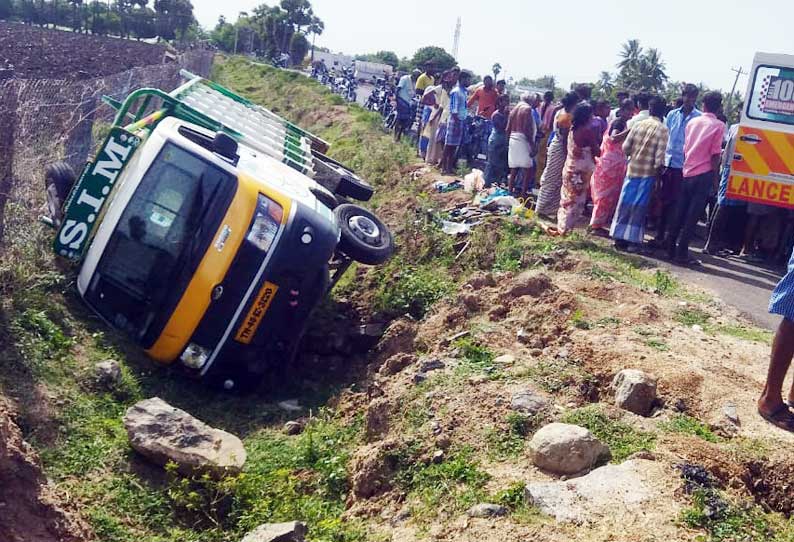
746, 333
503, 443
691, 316
578, 320
681, 423
724, 520
475, 356
453, 485
657, 345
622, 439
410, 289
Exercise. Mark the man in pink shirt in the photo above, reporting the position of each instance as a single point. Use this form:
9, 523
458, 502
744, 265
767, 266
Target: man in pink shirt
702, 150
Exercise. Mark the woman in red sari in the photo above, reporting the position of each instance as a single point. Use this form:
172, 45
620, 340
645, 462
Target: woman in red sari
610, 171
579, 166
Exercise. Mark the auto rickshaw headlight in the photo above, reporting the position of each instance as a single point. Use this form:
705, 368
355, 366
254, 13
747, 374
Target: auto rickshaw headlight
267, 220
195, 356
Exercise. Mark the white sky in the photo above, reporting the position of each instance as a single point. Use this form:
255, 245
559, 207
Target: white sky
700, 40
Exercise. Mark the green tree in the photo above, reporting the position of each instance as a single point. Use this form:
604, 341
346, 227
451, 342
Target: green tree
298, 48
437, 56
382, 57
496, 69
641, 70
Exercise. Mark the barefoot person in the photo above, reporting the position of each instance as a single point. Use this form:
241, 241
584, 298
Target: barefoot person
771, 406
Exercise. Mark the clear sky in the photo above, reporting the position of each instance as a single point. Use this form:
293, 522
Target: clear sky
700, 40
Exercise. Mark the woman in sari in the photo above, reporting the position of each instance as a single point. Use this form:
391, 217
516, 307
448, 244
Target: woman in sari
429, 103
610, 171
551, 180
579, 167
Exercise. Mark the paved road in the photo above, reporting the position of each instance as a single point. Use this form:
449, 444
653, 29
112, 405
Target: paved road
740, 284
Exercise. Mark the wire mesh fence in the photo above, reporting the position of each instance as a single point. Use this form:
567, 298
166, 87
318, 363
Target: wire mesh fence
43, 120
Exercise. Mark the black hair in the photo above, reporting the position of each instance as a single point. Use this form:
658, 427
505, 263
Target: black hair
658, 107
501, 82
642, 100
712, 101
548, 95
581, 115
484, 79
620, 93
583, 91
690, 89
570, 100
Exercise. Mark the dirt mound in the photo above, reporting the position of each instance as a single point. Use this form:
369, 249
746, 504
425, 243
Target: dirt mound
770, 483
53, 54
29, 512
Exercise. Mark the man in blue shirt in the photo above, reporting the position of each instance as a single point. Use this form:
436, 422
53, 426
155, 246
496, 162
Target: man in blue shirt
458, 110
673, 176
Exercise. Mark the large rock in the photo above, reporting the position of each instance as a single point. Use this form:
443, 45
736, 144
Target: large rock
635, 391
486, 510
612, 490
163, 433
561, 448
108, 374
292, 531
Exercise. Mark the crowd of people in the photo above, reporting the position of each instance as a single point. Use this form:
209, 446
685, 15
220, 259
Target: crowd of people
620, 169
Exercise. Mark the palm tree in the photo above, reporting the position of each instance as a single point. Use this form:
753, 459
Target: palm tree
653, 67
496, 69
630, 55
606, 83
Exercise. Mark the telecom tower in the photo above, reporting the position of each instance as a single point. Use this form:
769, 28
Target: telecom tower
456, 40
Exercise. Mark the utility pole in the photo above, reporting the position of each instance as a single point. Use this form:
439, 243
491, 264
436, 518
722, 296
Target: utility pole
739, 73
456, 40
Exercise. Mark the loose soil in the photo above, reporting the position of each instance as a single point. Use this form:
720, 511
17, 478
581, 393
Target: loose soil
39, 53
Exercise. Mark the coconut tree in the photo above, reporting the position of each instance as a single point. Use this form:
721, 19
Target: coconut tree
496, 69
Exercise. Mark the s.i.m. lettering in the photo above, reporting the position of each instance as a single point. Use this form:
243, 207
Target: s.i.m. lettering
91, 191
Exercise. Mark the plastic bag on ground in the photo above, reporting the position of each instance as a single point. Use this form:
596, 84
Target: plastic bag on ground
474, 181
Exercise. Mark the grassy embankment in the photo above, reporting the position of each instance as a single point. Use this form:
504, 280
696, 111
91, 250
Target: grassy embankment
49, 343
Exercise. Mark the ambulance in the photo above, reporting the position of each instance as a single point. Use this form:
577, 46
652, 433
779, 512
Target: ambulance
762, 168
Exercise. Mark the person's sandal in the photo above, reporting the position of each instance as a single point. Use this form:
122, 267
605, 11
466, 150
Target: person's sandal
781, 418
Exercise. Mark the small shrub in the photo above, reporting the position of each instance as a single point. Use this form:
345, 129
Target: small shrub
656, 344
579, 321
413, 290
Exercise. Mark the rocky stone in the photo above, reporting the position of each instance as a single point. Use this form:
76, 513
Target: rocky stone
438, 456
612, 490
163, 433
397, 363
635, 391
293, 428
108, 374
399, 337
481, 280
531, 284
418, 378
476, 380
505, 359
566, 449
376, 420
292, 531
486, 510
528, 402
431, 365
523, 336
498, 312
